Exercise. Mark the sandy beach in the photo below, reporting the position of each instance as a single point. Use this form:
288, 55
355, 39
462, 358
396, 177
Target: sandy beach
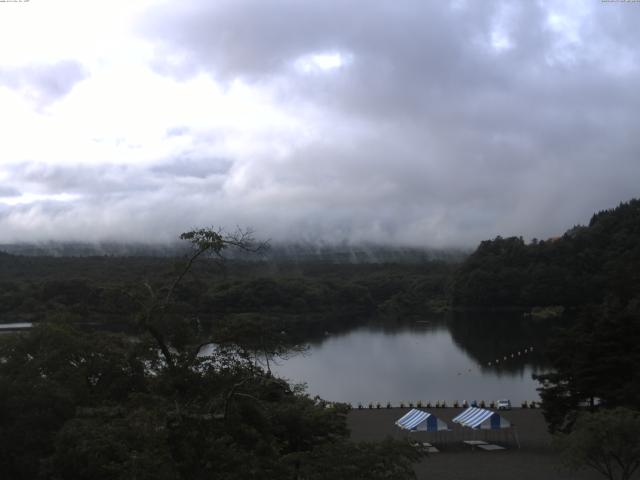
534, 459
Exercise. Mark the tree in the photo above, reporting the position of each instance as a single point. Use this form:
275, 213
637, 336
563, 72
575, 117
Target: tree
47, 376
585, 265
172, 337
594, 361
607, 441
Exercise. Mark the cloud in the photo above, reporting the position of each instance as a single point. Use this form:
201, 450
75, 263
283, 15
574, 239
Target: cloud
43, 178
193, 167
109, 202
415, 123
43, 83
480, 119
6, 191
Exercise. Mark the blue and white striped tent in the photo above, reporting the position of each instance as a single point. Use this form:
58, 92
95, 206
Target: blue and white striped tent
482, 419
419, 421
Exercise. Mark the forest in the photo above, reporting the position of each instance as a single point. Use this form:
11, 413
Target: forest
584, 266
303, 299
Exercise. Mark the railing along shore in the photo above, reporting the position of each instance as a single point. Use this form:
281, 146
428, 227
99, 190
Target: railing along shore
437, 404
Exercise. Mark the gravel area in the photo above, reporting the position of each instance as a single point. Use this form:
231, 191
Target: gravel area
534, 460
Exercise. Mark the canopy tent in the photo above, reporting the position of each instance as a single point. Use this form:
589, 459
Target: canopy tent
419, 421
481, 418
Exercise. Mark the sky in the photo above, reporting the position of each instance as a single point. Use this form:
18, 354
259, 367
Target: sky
402, 122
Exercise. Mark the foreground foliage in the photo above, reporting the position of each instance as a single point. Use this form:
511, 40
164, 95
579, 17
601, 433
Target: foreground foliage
595, 365
77, 405
607, 441
169, 401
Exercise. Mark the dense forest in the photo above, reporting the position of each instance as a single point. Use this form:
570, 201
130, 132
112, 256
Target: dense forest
301, 298
584, 266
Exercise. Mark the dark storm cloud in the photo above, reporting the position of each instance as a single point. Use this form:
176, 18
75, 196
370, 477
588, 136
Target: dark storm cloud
44, 83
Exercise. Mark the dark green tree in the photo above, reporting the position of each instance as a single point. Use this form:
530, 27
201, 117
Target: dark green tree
594, 364
607, 441
582, 267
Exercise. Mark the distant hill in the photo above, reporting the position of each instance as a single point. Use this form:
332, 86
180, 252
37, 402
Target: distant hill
286, 253
362, 253
585, 265
310, 289
81, 249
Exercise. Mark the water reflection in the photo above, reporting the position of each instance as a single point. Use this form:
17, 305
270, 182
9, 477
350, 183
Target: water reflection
501, 342
444, 359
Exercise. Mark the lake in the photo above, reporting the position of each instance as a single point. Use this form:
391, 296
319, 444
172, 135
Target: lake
465, 357
461, 357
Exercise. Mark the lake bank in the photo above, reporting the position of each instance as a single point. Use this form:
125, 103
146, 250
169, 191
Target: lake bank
533, 461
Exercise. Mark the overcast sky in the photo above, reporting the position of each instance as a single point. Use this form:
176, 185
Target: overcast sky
410, 122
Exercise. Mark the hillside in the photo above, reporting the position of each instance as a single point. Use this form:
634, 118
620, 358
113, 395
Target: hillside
584, 266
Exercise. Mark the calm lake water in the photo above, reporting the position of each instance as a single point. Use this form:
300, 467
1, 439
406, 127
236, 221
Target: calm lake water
440, 360
463, 357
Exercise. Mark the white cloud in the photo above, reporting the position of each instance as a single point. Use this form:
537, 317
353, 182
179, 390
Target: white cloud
35, 198
322, 62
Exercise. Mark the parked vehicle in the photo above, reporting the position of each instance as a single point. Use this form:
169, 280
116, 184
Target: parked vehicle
503, 404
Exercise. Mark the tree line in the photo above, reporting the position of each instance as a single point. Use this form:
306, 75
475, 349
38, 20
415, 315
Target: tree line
583, 266
300, 298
